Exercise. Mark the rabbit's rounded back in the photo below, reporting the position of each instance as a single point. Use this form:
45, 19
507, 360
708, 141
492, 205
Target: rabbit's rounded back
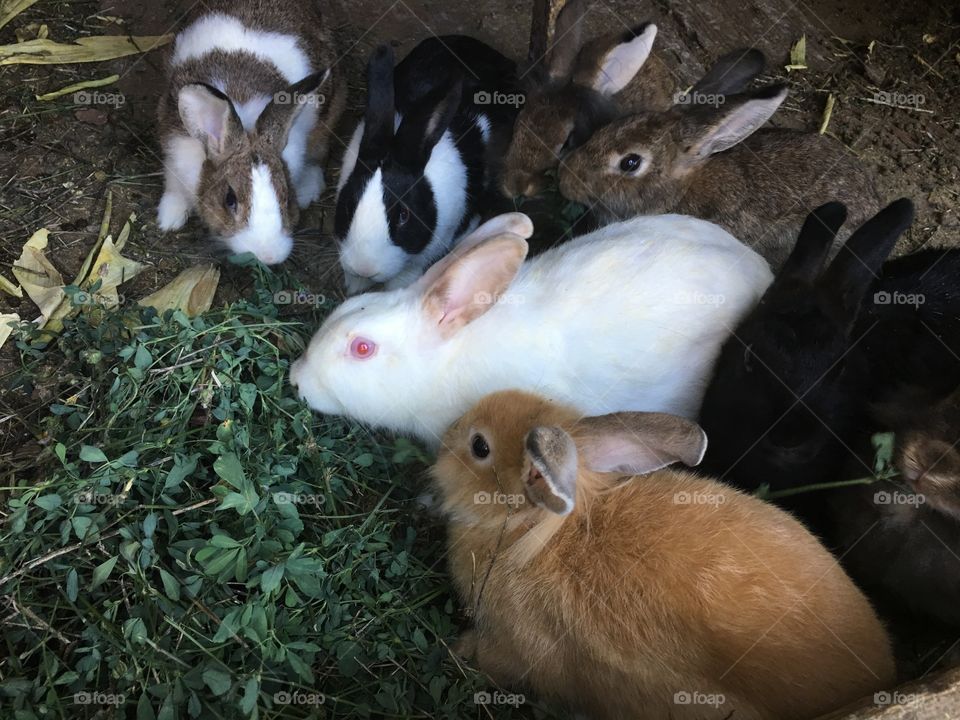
419, 161
642, 306
559, 554
246, 120
577, 87
705, 157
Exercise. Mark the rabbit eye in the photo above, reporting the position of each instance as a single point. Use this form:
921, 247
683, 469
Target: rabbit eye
479, 447
230, 201
631, 163
361, 348
403, 216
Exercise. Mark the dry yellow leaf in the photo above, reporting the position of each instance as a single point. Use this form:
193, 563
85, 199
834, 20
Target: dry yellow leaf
191, 291
37, 275
9, 9
69, 89
87, 49
9, 288
111, 269
7, 324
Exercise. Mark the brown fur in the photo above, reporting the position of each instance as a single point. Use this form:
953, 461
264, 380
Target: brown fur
634, 597
760, 190
244, 76
552, 105
928, 456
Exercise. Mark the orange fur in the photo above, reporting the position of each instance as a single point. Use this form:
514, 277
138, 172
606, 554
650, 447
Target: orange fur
634, 597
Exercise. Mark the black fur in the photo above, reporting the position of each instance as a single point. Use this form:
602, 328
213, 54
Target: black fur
435, 90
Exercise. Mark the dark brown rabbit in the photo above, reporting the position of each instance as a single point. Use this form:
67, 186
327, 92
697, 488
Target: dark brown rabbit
708, 158
577, 87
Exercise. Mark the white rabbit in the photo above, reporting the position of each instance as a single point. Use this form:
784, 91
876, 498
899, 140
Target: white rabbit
629, 317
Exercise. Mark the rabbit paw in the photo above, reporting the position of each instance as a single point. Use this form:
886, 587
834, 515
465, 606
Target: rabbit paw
173, 212
466, 645
310, 185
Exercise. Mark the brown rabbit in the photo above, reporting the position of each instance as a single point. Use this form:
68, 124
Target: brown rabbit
246, 120
927, 453
665, 596
706, 158
577, 87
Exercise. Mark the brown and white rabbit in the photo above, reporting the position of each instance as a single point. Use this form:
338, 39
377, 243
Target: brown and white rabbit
664, 596
246, 121
575, 88
711, 160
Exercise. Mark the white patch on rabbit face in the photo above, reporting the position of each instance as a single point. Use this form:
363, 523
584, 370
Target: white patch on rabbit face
349, 162
264, 235
367, 251
222, 32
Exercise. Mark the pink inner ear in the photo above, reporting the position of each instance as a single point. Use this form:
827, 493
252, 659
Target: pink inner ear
619, 453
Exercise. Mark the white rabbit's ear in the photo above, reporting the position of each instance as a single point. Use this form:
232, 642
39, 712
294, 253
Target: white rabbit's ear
466, 287
209, 116
608, 70
509, 223
550, 474
736, 120
639, 442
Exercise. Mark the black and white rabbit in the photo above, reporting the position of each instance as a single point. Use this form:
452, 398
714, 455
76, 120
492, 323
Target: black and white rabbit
419, 162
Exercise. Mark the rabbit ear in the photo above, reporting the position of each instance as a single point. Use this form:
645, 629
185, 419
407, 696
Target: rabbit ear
278, 116
857, 265
378, 118
734, 121
507, 224
420, 131
469, 285
551, 475
209, 116
608, 69
566, 40
732, 72
639, 442
813, 244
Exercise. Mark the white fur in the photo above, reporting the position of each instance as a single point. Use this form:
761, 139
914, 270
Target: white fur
614, 320
483, 124
367, 251
264, 235
223, 32
183, 161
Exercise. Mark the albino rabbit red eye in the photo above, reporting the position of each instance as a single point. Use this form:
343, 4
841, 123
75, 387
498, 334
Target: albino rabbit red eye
361, 348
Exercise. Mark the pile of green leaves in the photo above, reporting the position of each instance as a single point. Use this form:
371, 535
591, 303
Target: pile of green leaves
195, 543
